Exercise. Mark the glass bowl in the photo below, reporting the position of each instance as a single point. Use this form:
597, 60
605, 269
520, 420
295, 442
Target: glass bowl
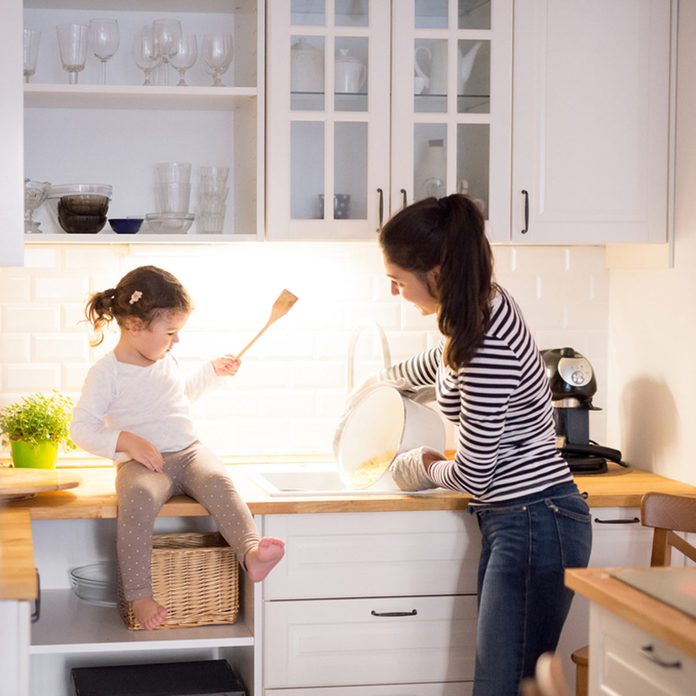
169, 223
77, 193
96, 583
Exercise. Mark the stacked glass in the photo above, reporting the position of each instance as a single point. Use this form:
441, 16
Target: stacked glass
212, 197
173, 187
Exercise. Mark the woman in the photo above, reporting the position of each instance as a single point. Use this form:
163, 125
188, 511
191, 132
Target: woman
490, 381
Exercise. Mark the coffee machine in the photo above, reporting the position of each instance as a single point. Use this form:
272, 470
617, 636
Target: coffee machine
573, 385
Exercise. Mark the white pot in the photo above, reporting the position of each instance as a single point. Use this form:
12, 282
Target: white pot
306, 67
386, 422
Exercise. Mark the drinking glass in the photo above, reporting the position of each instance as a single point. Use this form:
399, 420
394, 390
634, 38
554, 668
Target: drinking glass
72, 44
167, 33
104, 39
32, 37
145, 53
185, 57
217, 53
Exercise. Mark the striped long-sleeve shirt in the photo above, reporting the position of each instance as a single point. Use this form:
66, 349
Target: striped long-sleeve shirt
501, 402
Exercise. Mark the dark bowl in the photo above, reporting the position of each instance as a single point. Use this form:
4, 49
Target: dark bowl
81, 224
84, 204
125, 225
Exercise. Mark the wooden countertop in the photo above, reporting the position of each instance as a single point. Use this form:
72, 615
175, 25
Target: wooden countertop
662, 620
95, 498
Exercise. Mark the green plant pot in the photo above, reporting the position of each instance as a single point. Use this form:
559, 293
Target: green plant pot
28, 456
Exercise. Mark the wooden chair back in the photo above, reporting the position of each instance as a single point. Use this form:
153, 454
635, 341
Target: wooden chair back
668, 514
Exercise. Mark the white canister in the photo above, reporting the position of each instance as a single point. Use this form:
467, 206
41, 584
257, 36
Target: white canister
306, 67
382, 423
350, 74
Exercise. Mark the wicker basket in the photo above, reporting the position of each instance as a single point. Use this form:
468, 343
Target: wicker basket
195, 576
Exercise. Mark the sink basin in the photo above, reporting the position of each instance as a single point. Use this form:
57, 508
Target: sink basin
318, 481
315, 481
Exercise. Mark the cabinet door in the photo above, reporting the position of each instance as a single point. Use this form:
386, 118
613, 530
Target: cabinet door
382, 640
451, 87
11, 168
328, 116
591, 121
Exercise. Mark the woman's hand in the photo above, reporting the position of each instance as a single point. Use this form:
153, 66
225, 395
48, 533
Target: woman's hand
226, 366
409, 470
141, 450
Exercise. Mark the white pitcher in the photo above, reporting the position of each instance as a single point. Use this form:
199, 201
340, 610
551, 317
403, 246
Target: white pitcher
351, 73
466, 64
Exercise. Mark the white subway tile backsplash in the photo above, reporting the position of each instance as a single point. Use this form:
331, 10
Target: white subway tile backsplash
30, 377
59, 347
31, 318
66, 287
290, 391
14, 347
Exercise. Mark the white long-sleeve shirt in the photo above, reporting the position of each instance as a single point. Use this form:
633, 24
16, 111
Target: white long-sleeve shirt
152, 402
501, 402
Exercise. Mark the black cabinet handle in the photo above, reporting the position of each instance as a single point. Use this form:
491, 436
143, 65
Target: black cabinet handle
380, 200
648, 652
404, 200
526, 211
36, 613
413, 612
633, 520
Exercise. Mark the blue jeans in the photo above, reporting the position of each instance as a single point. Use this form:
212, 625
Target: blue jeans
527, 543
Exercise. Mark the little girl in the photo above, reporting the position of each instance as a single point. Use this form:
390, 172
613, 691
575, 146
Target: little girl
134, 409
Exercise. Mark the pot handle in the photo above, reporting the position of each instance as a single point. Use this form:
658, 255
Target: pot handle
379, 334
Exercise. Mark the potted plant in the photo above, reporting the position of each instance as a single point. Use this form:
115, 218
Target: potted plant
35, 426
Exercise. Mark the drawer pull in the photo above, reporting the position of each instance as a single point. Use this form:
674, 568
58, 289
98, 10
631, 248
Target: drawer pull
648, 651
413, 612
632, 520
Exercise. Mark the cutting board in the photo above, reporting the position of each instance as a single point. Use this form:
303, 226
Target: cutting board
25, 483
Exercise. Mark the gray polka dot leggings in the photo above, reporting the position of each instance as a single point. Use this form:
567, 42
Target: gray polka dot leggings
195, 471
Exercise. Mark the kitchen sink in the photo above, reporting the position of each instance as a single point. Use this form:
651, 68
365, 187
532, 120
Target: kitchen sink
317, 480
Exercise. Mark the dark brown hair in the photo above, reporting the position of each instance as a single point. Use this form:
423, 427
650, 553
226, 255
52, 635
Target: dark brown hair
450, 233
145, 293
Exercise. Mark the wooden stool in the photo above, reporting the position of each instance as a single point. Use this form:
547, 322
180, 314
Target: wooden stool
581, 658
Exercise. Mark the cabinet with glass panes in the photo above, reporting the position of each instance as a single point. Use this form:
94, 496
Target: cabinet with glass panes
374, 104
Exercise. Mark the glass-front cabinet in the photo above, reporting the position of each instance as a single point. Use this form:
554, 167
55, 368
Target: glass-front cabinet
375, 104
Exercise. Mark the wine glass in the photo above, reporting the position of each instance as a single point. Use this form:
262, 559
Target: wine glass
32, 37
72, 44
217, 53
185, 57
167, 33
35, 193
145, 53
104, 39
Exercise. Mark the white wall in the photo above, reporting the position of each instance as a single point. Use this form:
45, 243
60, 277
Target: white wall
652, 316
290, 391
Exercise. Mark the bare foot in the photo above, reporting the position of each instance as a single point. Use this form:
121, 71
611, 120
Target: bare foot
149, 613
260, 560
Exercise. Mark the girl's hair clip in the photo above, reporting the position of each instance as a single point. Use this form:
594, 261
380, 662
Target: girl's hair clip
135, 297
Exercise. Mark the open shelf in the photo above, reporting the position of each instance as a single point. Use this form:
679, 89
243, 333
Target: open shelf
135, 97
69, 625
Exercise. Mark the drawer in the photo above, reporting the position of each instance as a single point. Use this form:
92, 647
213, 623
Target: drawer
632, 662
457, 689
374, 554
369, 641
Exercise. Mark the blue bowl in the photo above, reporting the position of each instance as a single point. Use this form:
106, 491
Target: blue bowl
125, 225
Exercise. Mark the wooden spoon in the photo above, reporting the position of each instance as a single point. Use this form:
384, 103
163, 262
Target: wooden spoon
280, 308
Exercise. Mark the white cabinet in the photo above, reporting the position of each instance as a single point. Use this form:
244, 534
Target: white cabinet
436, 122
628, 661
618, 541
115, 133
11, 187
591, 121
371, 600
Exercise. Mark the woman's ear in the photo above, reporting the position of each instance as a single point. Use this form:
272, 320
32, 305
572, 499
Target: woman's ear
433, 280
